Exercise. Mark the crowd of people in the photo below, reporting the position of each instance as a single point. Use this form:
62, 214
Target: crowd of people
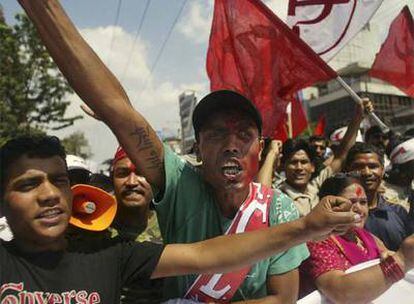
254, 220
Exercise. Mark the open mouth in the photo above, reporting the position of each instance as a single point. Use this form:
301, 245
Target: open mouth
51, 213
51, 217
231, 169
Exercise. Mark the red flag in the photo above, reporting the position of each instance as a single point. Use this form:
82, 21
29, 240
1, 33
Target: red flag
299, 120
281, 132
252, 52
320, 126
394, 62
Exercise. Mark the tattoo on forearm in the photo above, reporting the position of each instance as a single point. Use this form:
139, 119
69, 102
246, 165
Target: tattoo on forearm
142, 135
152, 159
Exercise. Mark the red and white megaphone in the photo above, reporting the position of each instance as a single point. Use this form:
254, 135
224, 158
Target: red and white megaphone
93, 208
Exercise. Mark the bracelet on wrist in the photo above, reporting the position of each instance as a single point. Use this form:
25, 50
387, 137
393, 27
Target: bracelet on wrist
391, 270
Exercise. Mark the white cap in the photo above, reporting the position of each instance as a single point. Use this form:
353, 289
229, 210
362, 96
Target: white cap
76, 162
5, 232
338, 134
403, 153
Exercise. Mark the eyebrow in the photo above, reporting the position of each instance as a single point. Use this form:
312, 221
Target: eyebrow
38, 176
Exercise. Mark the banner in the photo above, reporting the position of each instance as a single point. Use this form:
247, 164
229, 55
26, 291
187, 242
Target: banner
328, 25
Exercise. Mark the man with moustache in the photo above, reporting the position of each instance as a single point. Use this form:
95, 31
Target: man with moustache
40, 265
389, 222
134, 219
192, 204
399, 187
300, 160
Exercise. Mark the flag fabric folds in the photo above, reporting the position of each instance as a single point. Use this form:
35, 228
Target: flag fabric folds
320, 126
328, 25
298, 120
394, 63
253, 52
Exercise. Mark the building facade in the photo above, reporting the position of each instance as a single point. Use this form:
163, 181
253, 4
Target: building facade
187, 101
329, 99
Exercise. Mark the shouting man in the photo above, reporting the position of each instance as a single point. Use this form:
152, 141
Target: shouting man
191, 204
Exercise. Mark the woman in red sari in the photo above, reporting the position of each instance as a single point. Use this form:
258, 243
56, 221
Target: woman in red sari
329, 259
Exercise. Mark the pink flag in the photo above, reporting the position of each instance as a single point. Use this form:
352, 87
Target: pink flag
328, 25
394, 62
254, 53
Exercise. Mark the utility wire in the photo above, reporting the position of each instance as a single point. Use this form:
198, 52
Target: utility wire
118, 11
157, 58
147, 4
168, 36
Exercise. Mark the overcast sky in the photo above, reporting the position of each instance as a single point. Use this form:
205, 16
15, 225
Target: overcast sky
153, 86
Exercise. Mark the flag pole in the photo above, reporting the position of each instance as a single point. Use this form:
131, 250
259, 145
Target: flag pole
289, 119
357, 99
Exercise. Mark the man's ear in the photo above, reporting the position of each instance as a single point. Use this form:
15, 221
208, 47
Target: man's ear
261, 145
197, 152
312, 168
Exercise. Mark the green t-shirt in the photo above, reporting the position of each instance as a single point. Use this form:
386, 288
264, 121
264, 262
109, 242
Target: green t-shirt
187, 213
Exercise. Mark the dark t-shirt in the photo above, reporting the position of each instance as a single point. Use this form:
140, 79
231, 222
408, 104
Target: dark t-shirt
390, 223
92, 275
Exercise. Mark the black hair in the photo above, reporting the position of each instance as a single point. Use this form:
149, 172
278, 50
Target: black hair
101, 181
42, 146
291, 146
373, 130
363, 148
317, 138
337, 183
409, 132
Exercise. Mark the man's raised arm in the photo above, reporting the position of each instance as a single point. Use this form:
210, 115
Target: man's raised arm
351, 134
98, 87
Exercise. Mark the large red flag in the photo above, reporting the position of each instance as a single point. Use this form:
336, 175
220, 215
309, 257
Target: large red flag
394, 62
253, 52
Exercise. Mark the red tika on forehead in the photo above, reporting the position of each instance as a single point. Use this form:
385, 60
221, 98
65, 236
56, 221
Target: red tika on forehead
358, 191
119, 154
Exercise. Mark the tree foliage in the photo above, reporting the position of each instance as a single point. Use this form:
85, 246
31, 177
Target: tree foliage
77, 144
32, 89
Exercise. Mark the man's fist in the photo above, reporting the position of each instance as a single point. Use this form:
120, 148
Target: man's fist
332, 215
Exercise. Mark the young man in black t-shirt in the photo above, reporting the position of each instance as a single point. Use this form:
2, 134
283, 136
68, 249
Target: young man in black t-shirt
41, 265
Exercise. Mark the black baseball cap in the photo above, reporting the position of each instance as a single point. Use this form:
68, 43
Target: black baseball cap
222, 100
